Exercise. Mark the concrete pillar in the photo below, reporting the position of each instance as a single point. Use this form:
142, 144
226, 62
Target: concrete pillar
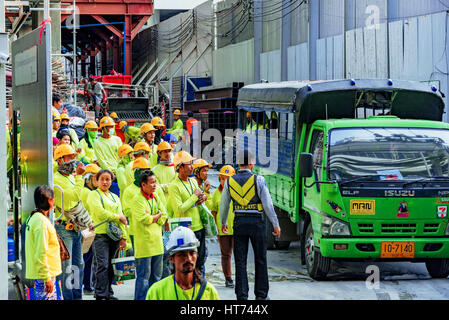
314, 34
285, 40
257, 39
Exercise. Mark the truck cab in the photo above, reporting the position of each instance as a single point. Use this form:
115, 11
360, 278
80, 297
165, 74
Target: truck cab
363, 168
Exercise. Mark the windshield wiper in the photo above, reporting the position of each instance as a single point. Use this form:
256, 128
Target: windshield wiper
424, 180
370, 177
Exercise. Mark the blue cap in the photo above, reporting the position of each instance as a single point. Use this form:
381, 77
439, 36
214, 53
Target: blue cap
170, 138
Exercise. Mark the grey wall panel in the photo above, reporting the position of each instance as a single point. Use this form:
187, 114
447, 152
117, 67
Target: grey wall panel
332, 20
299, 25
362, 16
410, 8
272, 24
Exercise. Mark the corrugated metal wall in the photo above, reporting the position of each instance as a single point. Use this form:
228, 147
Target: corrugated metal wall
332, 17
299, 25
271, 27
412, 8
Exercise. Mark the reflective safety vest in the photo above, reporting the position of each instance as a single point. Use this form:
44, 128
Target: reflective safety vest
243, 191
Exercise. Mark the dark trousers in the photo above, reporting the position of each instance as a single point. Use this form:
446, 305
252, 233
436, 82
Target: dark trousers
226, 247
250, 228
104, 251
87, 279
201, 236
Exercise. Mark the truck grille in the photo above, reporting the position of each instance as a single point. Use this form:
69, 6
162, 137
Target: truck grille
399, 228
428, 228
366, 228
133, 115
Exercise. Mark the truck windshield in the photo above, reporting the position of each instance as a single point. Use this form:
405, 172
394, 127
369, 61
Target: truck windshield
388, 153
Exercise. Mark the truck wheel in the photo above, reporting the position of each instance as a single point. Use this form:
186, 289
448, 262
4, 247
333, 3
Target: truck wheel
317, 265
438, 268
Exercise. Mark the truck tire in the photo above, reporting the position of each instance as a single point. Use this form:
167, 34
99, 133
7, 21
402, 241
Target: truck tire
317, 265
438, 268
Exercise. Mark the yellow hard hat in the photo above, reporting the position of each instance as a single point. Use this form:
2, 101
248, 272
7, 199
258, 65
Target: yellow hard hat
164, 145
56, 116
91, 125
157, 121
113, 115
146, 127
199, 163
124, 149
177, 112
106, 122
142, 145
92, 168
65, 116
182, 157
141, 163
64, 150
227, 170
122, 124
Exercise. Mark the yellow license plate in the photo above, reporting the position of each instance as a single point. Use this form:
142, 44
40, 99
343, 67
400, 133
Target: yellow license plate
397, 249
363, 207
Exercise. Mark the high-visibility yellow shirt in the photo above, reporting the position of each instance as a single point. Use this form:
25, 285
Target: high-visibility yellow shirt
72, 187
41, 249
75, 139
177, 128
167, 289
164, 176
128, 174
87, 154
216, 197
182, 200
148, 235
9, 148
106, 151
84, 195
110, 209
121, 177
153, 156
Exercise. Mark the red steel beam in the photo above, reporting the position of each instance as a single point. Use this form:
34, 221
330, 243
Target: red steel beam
139, 25
96, 8
128, 45
113, 29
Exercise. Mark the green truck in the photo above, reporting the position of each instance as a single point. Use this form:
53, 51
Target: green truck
362, 169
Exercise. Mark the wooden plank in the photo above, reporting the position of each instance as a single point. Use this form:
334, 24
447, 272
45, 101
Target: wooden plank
351, 58
411, 49
339, 57
425, 52
381, 52
360, 54
321, 59
396, 49
369, 37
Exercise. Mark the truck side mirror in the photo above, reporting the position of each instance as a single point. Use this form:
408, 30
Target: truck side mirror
305, 165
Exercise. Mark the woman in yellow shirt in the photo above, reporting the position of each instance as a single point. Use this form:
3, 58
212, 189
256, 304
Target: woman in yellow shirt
42, 246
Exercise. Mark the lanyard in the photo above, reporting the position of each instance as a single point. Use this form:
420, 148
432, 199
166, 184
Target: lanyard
112, 197
151, 207
176, 291
191, 187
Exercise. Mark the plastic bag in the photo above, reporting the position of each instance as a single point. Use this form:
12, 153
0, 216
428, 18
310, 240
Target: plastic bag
208, 221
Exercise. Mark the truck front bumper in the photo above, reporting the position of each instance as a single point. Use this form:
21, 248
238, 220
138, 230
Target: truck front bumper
370, 248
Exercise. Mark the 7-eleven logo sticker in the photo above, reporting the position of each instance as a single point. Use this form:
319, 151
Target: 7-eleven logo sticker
442, 211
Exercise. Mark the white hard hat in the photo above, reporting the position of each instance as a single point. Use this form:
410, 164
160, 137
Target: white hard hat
182, 239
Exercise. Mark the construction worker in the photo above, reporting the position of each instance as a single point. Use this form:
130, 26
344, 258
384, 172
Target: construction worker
55, 145
65, 119
186, 283
114, 117
98, 96
171, 138
132, 134
105, 206
226, 241
178, 126
56, 117
56, 103
159, 125
106, 146
250, 199
90, 184
185, 196
252, 125
165, 174
126, 157
127, 197
149, 216
201, 172
148, 133
87, 154
141, 149
71, 187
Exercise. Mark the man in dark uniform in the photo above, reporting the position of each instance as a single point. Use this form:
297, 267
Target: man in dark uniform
251, 200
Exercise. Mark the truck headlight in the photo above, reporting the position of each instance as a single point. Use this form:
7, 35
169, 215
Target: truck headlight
331, 226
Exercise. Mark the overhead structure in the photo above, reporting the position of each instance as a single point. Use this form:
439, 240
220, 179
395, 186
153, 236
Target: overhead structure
104, 24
